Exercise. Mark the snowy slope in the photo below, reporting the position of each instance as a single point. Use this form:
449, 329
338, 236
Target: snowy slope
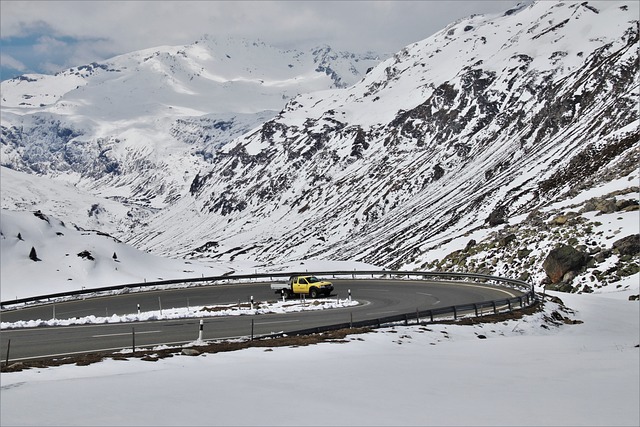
68, 258
530, 371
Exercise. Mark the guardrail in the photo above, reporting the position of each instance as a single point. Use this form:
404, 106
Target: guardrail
426, 316
226, 279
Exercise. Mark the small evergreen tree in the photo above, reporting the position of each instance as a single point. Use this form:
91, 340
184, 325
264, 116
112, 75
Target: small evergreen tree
33, 255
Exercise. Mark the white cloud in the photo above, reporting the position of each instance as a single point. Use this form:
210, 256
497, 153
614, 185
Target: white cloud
10, 62
356, 25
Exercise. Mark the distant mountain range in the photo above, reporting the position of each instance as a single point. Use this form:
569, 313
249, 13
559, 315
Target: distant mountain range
229, 150
138, 127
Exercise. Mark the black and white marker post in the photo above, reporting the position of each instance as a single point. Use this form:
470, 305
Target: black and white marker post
201, 329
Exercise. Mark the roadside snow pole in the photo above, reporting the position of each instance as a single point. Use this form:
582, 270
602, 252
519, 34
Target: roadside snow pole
251, 302
349, 295
201, 328
282, 292
188, 310
160, 305
6, 363
138, 308
54, 311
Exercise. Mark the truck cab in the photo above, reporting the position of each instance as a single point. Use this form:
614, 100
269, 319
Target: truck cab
310, 285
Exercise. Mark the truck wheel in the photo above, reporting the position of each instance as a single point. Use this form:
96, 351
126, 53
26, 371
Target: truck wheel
313, 293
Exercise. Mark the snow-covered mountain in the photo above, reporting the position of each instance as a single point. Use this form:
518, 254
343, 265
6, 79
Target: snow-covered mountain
137, 128
478, 130
490, 118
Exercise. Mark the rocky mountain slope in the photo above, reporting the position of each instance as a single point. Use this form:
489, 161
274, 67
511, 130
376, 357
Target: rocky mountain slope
475, 139
137, 128
491, 118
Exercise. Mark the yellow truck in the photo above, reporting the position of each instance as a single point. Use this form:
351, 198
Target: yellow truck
303, 285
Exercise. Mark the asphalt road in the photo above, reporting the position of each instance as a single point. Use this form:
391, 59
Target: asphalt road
378, 298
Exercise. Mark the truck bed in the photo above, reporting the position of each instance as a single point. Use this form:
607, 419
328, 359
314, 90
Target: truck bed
280, 286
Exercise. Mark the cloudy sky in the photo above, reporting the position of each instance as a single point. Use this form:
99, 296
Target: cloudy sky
48, 36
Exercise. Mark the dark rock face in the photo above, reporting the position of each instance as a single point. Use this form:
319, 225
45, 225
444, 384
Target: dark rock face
629, 245
562, 260
497, 217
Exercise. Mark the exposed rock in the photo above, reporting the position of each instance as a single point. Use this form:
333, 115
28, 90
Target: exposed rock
504, 241
589, 206
16, 367
498, 216
562, 260
470, 244
602, 255
86, 255
606, 206
629, 245
190, 352
626, 205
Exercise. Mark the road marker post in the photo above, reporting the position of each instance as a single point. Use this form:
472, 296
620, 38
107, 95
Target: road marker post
138, 308
6, 363
201, 329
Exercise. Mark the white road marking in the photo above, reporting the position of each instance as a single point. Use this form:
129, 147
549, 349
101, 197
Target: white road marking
278, 321
125, 333
429, 295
